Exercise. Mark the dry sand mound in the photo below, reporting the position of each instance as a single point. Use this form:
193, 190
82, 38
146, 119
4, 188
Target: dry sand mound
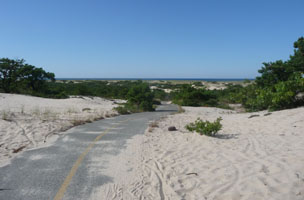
27, 122
257, 157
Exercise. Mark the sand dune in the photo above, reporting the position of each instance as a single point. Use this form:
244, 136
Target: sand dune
27, 122
255, 156
252, 158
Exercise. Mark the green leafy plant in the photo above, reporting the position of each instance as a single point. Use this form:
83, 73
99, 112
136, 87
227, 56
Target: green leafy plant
205, 127
122, 110
190, 96
282, 95
141, 97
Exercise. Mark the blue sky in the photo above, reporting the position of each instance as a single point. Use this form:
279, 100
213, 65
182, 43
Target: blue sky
150, 38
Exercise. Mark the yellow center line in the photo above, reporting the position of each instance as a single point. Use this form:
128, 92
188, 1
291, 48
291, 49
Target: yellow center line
72, 172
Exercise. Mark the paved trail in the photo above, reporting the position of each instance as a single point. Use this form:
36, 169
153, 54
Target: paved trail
61, 171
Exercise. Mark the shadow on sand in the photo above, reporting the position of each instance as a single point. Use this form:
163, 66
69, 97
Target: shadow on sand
226, 136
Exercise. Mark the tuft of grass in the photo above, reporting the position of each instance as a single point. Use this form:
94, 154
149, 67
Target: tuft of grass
153, 124
107, 115
22, 109
71, 110
36, 111
224, 106
90, 120
77, 122
180, 109
46, 113
5, 115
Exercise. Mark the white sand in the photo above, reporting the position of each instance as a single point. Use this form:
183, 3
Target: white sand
28, 122
124, 171
252, 158
215, 85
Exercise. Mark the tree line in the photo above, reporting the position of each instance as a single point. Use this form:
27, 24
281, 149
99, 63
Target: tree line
16, 76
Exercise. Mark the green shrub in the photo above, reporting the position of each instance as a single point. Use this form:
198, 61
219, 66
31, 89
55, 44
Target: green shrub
285, 94
190, 96
156, 102
279, 96
122, 110
141, 97
129, 108
61, 95
161, 95
205, 127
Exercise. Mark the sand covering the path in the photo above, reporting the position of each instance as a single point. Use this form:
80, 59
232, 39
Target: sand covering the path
260, 157
28, 122
255, 156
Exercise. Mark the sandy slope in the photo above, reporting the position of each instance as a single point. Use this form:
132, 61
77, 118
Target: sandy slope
252, 158
27, 122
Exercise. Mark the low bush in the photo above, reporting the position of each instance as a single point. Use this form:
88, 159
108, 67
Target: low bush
282, 95
205, 127
122, 110
140, 97
190, 96
128, 108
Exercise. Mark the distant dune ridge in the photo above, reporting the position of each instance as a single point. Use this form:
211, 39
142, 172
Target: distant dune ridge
28, 122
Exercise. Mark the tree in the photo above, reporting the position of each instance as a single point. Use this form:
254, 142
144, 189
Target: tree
280, 83
275, 72
9, 73
35, 78
15, 76
297, 60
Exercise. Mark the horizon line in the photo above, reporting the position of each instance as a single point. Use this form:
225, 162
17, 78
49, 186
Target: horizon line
156, 78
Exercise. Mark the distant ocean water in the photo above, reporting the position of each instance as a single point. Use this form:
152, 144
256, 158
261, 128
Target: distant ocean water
161, 79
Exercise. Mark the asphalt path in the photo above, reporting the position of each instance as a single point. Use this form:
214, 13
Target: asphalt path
60, 171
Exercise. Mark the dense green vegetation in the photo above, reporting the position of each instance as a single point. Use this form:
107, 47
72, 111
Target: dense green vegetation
18, 77
139, 99
115, 90
190, 96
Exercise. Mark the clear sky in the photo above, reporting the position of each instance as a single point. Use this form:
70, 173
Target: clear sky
150, 38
